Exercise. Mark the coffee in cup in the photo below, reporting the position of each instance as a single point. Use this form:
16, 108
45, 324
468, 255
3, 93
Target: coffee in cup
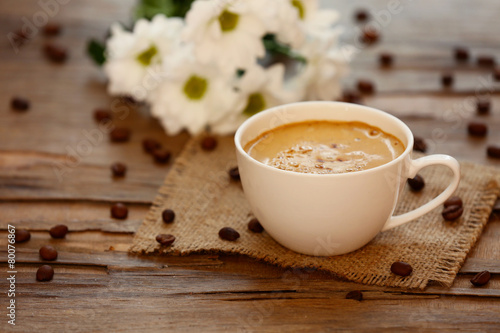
325, 147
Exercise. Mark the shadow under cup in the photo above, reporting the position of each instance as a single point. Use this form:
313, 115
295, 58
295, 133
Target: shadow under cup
318, 214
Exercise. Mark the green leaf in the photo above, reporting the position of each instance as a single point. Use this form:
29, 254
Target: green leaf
149, 8
96, 51
272, 45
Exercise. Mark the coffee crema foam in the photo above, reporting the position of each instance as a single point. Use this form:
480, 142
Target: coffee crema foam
325, 147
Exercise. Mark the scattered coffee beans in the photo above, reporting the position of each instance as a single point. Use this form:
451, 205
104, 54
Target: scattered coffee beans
120, 134
165, 239
102, 115
47, 252
401, 268
19, 104
168, 216
366, 87
477, 129
453, 212
45, 273
55, 53
52, 29
486, 61
419, 145
228, 234
483, 106
58, 231
161, 156
370, 35
480, 279
361, 15
119, 211
351, 97
355, 294
118, 169
255, 226
234, 173
461, 54
417, 183
22, 235
150, 145
453, 201
208, 143
493, 151
447, 80
385, 59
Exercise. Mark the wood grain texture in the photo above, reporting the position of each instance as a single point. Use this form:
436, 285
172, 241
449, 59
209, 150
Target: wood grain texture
98, 287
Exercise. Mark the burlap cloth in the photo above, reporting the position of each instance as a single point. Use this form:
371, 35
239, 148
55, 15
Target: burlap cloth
205, 199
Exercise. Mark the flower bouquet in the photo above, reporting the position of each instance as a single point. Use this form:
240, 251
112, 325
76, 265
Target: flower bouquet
210, 64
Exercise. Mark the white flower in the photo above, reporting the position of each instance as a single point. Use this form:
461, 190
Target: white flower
192, 95
226, 32
132, 58
326, 66
260, 89
282, 19
315, 21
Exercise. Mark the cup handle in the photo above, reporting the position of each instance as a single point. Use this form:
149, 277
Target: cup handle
415, 166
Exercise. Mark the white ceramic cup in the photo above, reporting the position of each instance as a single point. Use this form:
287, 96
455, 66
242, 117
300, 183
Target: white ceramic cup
324, 215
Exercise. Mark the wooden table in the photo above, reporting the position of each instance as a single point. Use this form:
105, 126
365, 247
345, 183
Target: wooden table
99, 287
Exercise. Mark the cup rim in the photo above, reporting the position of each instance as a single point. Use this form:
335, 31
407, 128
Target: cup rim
249, 121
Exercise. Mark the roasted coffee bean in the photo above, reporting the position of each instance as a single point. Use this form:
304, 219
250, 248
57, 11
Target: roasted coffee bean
161, 156
234, 173
401, 268
120, 134
453, 201
461, 54
22, 235
55, 53
255, 226
483, 106
150, 145
447, 80
419, 145
486, 61
47, 252
452, 212
168, 216
119, 211
366, 86
165, 239
370, 35
493, 151
52, 29
417, 183
351, 97
45, 273
496, 74
19, 104
355, 294
102, 115
477, 129
228, 234
118, 169
385, 59
361, 15
58, 231
208, 143
496, 207
480, 279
